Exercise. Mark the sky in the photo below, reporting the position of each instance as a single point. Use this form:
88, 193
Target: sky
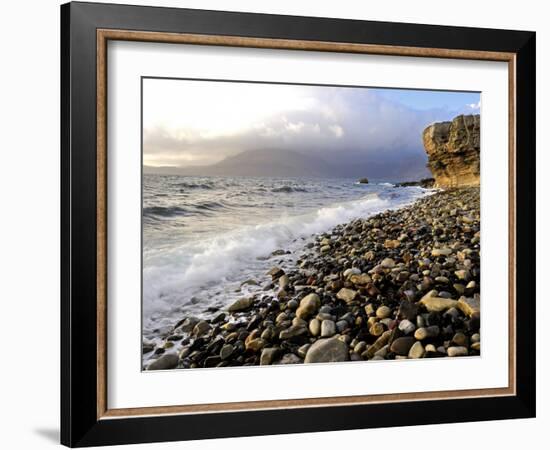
189, 123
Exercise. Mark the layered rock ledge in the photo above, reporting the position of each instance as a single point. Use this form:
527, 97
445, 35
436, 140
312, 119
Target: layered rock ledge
453, 151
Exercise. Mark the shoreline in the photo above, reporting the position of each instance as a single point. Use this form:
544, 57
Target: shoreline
401, 284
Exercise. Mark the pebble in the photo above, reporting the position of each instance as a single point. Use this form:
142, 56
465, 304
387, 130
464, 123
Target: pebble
376, 329
457, 351
430, 348
352, 271
291, 332
226, 351
460, 339
360, 347
441, 252
382, 312
241, 304
426, 332
284, 281
380, 281
437, 304
201, 328
402, 345
268, 355
347, 295
315, 327
342, 325
308, 306
165, 362
327, 350
416, 351
388, 263
406, 326
302, 351
469, 306
290, 358
328, 328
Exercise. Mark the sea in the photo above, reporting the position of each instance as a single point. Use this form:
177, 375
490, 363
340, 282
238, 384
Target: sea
203, 237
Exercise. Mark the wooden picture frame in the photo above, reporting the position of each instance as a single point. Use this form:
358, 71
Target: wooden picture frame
86, 418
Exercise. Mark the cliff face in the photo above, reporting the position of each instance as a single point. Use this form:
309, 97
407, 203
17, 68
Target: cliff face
453, 151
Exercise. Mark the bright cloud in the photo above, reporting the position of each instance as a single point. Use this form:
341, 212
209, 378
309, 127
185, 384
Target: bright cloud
202, 122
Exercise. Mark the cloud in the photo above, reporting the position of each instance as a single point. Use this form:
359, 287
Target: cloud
355, 126
474, 106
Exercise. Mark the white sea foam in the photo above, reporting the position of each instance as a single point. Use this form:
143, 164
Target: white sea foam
194, 275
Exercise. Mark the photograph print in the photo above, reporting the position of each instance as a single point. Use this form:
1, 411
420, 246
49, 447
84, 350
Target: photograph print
298, 224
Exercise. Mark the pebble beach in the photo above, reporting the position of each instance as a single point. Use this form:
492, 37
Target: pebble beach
402, 284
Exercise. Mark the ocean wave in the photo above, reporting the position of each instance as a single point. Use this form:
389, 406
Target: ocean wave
288, 189
164, 211
185, 185
194, 268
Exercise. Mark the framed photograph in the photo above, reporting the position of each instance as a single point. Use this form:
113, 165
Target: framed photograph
277, 224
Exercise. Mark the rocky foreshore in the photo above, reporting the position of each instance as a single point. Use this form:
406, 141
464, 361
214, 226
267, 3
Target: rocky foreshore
403, 284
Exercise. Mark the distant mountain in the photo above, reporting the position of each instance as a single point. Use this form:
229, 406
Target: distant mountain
288, 163
257, 163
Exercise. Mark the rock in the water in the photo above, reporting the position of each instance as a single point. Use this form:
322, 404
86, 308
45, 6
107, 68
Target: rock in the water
165, 362
147, 347
402, 345
201, 328
327, 350
241, 304
347, 295
276, 273
188, 324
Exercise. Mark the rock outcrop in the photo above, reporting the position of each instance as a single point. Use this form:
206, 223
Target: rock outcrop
453, 151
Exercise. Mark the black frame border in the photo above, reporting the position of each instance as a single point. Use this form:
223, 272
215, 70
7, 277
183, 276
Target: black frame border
79, 424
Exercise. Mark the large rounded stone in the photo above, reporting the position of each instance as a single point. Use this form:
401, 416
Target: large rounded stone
327, 350
165, 362
241, 304
308, 306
